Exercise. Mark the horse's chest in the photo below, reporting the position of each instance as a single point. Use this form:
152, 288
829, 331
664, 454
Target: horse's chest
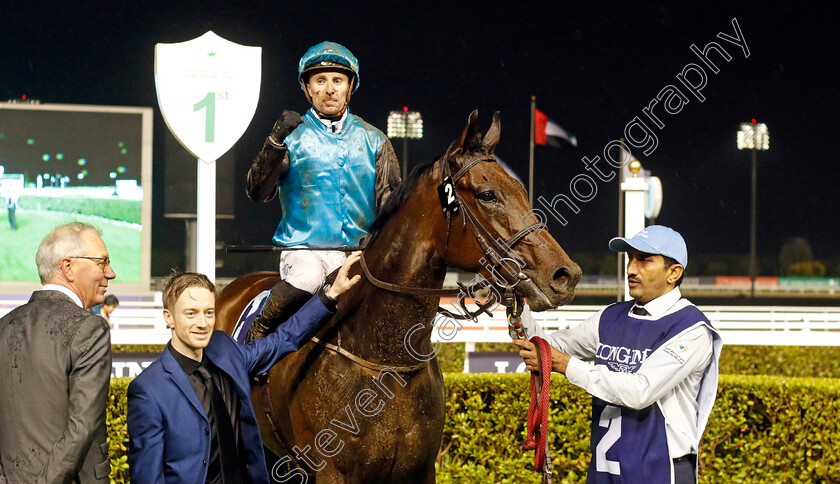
383, 416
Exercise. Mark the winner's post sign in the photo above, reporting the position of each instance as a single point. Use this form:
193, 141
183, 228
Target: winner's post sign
207, 89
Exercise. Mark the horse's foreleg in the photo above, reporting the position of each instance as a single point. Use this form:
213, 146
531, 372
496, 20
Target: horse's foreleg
427, 475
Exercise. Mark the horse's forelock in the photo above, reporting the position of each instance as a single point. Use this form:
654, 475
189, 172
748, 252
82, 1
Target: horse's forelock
478, 145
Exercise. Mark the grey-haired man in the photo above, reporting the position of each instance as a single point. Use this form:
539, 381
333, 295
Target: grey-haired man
55, 366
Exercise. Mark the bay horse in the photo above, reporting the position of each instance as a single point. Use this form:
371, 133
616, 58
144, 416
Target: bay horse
356, 404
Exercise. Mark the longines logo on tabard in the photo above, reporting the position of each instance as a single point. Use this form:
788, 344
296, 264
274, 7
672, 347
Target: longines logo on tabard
621, 359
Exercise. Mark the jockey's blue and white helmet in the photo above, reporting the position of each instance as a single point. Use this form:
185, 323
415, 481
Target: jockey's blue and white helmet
328, 56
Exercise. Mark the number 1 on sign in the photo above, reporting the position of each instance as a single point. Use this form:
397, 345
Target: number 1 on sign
208, 102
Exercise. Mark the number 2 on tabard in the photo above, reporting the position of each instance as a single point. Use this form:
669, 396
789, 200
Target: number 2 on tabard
611, 420
450, 197
208, 102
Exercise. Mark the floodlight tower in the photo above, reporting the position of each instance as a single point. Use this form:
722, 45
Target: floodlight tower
754, 137
405, 124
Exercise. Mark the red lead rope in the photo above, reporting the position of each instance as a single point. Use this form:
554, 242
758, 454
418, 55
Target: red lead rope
538, 410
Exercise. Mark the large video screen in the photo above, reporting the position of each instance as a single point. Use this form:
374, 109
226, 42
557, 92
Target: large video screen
61, 163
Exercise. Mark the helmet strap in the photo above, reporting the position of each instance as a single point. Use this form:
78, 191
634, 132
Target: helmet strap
350, 89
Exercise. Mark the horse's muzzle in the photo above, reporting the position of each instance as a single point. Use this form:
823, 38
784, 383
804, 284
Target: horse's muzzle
563, 283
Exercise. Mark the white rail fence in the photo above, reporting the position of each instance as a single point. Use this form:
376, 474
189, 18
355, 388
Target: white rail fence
738, 325
141, 322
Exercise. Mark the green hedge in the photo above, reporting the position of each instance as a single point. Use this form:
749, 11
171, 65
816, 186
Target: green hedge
773, 429
762, 429
485, 429
157, 349
117, 429
793, 361
114, 209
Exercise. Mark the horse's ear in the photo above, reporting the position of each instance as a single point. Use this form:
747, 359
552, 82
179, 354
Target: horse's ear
463, 142
472, 135
491, 139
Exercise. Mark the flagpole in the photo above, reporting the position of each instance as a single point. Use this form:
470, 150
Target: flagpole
620, 272
531, 155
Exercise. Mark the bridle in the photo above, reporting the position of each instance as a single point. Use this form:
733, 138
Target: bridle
498, 253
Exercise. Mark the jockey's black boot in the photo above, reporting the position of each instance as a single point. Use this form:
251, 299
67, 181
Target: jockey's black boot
283, 301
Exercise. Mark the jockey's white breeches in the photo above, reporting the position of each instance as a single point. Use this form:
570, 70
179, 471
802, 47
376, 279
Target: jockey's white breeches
308, 269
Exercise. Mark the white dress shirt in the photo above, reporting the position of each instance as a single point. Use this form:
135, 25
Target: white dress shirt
65, 290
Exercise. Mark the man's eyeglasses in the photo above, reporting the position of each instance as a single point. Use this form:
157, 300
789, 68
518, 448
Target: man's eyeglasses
102, 262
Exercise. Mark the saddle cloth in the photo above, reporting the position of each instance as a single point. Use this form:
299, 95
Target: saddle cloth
249, 314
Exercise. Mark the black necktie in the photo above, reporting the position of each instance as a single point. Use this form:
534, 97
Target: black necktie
228, 461
639, 311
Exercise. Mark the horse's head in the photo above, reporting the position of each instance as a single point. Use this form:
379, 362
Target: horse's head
494, 231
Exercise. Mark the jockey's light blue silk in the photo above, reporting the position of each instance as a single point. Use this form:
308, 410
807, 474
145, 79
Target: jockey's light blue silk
328, 195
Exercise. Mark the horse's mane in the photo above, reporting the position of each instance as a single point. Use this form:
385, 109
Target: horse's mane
400, 195
406, 188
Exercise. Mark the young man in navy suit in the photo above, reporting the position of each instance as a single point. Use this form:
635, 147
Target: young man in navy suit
190, 418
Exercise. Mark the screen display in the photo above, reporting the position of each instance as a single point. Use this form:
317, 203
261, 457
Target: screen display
63, 163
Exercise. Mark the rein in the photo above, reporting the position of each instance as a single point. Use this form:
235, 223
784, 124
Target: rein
367, 364
537, 424
420, 291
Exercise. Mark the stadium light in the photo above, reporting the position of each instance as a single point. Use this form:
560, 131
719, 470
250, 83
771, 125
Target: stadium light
405, 124
754, 137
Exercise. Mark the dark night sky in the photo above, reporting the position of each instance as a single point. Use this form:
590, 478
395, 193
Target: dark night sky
592, 69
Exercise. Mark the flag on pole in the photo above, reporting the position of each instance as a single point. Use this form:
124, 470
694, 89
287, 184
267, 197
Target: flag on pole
547, 132
626, 158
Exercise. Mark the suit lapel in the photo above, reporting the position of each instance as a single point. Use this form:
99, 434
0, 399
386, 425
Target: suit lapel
179, 378
217, 353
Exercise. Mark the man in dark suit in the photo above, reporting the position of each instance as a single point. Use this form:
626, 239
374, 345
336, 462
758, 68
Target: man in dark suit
190, 418
55, 367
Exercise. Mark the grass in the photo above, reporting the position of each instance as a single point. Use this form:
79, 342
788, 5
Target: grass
18, 247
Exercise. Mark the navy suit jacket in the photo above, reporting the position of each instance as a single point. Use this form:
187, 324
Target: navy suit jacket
169, 434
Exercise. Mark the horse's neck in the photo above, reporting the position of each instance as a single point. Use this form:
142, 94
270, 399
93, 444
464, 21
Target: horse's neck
403, 253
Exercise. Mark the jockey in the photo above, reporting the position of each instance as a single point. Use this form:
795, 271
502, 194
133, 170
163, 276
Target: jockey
332, 172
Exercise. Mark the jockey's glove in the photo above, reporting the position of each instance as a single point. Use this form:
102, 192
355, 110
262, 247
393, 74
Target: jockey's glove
287, 123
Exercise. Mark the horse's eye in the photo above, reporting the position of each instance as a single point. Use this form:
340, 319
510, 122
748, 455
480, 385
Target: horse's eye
488, 196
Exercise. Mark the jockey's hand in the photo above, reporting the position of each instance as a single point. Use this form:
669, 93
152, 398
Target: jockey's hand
287, 123
342, 283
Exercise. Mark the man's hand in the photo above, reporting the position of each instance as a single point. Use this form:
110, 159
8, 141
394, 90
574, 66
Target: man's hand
342, 283
528, 352
287, 123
